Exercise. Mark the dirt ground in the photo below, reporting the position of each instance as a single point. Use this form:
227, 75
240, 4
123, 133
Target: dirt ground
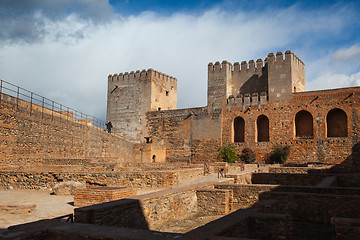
47, 206
50, 206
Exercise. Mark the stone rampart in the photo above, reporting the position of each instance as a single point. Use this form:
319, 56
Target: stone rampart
31, 134
137, 179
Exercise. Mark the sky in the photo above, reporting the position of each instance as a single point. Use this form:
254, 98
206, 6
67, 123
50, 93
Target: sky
65, 49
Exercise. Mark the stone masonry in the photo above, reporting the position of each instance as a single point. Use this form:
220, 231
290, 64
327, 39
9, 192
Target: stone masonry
253, 104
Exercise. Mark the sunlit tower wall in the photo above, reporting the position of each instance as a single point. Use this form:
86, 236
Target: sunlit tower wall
131, 95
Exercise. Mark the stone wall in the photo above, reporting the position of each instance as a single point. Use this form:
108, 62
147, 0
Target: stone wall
313, 207
214, 201
95, 195
286, 179
245, 194
30, 134
136, 179
346, 228
146, 211
131, 95
281, 115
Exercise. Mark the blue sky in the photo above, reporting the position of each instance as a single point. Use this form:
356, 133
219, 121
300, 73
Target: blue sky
65, 49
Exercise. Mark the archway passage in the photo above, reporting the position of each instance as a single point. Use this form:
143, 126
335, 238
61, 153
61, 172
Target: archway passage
336, 122
239, 129
304, 125
262, 124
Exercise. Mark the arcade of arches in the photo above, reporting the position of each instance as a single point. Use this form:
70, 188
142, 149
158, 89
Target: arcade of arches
336, 126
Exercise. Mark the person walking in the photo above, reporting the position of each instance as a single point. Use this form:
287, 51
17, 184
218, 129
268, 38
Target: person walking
109, 126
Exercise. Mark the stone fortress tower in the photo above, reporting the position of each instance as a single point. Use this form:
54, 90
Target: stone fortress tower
247, 84
132, 95
249, 104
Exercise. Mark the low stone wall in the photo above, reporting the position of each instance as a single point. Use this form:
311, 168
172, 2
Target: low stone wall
214, 201
312, 207
31, 133
346, 228
292, 170
349, 180
287, 179
245, 194
95, 195
147, 211
139, 179
248, 194
261, 226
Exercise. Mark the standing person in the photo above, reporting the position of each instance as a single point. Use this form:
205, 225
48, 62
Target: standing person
109, 126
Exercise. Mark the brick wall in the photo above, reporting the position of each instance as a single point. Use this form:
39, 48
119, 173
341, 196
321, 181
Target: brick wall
214, 201
281, 115
30, 135
147, 211
95, 195
346, 228
286, 179
137, 179
245, 194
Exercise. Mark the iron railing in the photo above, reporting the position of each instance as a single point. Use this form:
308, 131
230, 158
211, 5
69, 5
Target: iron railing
43, 103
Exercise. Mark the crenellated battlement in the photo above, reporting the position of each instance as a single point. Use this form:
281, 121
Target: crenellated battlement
247, 100
278, 75
279, 58
258, 65
141, 75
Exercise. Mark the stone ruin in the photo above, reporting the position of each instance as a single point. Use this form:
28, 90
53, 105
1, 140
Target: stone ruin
314, 196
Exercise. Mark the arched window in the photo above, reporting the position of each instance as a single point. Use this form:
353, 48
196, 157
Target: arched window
336, 123
304, 125
239, 129
262, 125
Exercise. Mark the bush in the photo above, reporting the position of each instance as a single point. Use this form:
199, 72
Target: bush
227, 154
279, 154
247, 155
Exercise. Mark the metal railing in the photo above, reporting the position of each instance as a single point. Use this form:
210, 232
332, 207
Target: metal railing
44, 104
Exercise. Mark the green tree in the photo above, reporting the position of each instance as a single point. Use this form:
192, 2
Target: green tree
279, 154
227, 154
247, 155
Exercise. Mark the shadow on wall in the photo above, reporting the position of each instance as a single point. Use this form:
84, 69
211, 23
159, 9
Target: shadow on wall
298, 212
121, 213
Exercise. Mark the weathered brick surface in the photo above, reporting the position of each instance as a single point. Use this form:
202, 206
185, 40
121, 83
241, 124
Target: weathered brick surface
30, 135
281, 116
95, 195
245, 194
179, 128
346, 228
144, 211
286, 179
214, 201
136, 179
313, 207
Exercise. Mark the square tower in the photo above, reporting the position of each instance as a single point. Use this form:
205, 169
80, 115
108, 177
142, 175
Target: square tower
131, 95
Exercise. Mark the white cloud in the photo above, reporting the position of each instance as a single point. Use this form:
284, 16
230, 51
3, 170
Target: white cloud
329, 80
347, 54
73, 60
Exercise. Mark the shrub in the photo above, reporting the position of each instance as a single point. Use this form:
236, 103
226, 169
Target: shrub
247, 155
279, 154
227, 154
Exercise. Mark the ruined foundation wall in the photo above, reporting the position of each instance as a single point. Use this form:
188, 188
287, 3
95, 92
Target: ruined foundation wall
137, 179
30, 134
